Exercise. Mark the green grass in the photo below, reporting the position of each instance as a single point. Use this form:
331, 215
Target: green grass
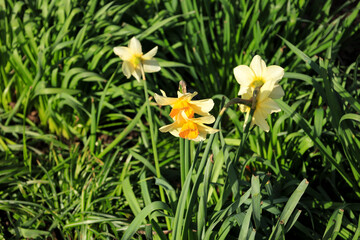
80, 154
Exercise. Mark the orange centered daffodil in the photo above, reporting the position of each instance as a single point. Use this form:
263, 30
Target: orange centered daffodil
135, 62
257, 75
183, 112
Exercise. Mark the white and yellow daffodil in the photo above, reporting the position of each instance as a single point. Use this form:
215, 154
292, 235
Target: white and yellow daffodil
184, 103
135, 62
265, 105
190, 128
257, 75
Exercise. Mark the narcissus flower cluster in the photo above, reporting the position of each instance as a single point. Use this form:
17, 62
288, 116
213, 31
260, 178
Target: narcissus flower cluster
183, 112
266, 81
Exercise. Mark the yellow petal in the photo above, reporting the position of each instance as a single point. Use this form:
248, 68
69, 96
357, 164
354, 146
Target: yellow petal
202, 107
127, 69
135, 45
160, 100
151, 66
273, 73
123, 52
243, 75
150, 54
277, 92
244, 90
258, 66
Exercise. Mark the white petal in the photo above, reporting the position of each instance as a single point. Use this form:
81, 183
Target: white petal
127, 69
163, 93
207, 129
277, 92
187, 96
168, 128
160, 100
258, 66
243, 75
205, 119
137, 73
135, 45
244, 90
123, 52
151, 66
265, 90
260, 120
202, 107
269, 106
150, 54
244, 108
273, 73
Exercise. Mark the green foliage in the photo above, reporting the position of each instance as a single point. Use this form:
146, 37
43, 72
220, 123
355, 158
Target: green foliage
75, 134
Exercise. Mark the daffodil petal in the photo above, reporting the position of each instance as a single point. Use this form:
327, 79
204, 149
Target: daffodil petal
260, 120
151, 66
204, 119
163, 93
244, 75
123, 52
137, 73
277, 92
160, 100
266, 90
269, 106
127, 69
206, 129
273, 73
150, 54
258, 66
202, 107
243, 90
187, 96
135, 45
244, 108
168, 128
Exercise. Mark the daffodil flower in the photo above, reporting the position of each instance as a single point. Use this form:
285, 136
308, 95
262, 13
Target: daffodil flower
190, 128
257, 75
265, 105
135, 62
183, 103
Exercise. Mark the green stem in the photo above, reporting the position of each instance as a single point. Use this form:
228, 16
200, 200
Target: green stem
187, 159
245, 135
153, 143
182, 161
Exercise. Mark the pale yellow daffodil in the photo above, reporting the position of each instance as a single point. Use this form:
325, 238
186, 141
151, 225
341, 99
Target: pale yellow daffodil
190, 128
184, 103
257, 75
265, 105
135, 62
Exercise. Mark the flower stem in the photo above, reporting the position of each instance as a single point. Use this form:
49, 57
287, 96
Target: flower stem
153, 143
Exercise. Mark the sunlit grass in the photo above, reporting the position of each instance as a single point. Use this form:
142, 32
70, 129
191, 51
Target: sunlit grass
77, 155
